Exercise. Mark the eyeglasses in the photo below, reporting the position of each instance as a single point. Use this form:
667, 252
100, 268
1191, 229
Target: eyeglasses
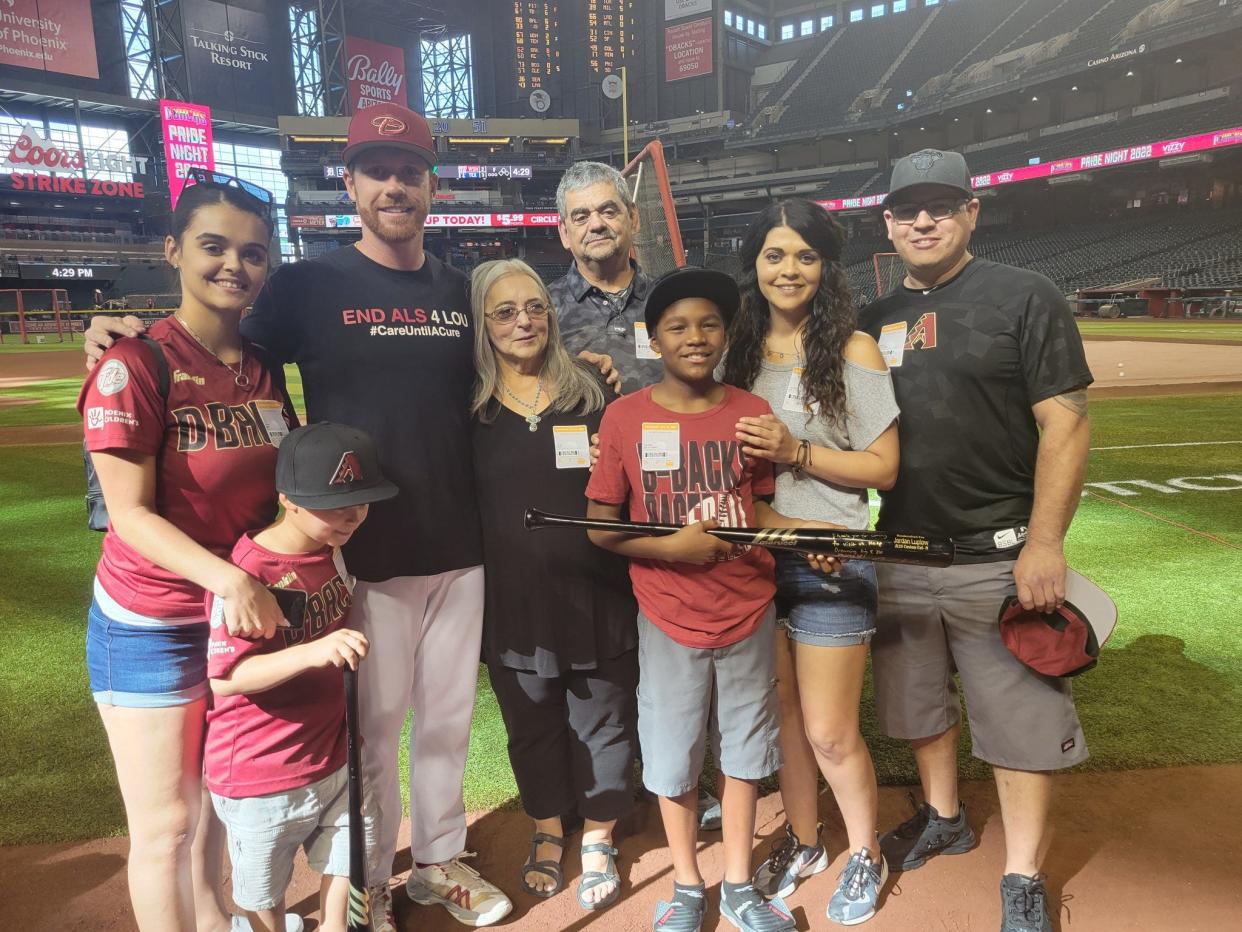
939, 209
221, 180
507, 313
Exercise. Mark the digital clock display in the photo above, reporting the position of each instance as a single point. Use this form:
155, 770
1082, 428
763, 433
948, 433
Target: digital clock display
69, 271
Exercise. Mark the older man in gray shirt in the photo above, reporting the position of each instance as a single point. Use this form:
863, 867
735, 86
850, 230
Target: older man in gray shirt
600, 300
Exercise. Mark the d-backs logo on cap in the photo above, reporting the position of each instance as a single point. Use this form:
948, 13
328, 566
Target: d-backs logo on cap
388, 126
347, 470
924, 160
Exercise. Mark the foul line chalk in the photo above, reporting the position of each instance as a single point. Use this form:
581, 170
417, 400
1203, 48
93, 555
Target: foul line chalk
1155, 517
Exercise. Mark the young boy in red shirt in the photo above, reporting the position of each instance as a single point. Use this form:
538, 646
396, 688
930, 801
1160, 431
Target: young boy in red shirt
276, 745
705, 625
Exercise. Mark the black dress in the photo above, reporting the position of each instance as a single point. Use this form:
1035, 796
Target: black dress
555, 602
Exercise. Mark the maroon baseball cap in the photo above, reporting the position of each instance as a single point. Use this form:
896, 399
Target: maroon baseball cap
390, 125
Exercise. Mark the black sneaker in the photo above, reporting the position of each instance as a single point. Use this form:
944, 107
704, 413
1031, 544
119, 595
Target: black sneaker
788, 862
926, 833
1024, 905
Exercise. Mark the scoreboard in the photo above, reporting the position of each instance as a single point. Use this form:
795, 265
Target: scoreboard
608, 34
536, 36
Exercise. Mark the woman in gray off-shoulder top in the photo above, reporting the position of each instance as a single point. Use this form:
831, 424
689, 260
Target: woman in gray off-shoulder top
833, 436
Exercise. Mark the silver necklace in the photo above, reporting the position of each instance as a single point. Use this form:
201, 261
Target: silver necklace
533, 418
240, 379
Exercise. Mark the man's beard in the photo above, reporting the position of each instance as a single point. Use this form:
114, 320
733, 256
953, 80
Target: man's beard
391, 230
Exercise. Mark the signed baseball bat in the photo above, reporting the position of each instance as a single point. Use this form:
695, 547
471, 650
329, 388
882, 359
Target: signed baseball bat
358, 913
878, 546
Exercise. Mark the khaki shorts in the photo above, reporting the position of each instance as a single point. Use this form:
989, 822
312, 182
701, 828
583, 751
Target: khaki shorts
688, 696
933, 622
265, 832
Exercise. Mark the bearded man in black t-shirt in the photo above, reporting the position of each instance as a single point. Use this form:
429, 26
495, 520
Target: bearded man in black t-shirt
991, 379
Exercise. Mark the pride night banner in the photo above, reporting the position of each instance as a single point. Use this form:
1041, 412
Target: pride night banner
1080, 163
187, 141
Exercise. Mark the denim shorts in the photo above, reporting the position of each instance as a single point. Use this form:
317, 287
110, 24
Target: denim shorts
826, 609
145, 666
265, 833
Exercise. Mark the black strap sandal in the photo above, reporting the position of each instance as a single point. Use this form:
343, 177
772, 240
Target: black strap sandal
547, 867
592, 879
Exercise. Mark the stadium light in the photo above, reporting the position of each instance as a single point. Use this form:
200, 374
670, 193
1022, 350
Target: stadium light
989, 110
1179, 60
1074, 88
1034, 100
1129, 74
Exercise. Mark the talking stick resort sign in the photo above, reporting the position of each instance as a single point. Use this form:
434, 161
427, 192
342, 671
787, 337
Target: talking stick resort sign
229, 55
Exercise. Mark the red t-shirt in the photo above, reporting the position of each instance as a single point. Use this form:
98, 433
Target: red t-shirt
699, 606
216, 451
293, 734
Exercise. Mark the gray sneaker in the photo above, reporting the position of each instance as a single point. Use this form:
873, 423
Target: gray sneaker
1024, 905
926, 833
788, 862
755, 914
858, 889
709, 812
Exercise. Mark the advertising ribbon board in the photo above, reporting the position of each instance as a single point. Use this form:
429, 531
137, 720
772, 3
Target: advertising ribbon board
51, 35
436, 221
376, 73
1126, 155
187, 141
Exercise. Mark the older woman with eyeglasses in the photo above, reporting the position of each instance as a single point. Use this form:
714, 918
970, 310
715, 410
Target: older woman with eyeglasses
559, 634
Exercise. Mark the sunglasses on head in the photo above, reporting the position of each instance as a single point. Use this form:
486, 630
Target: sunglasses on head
221, 180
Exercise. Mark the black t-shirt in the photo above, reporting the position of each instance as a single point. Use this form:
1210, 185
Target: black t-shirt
390, 353
978, 352
555, 602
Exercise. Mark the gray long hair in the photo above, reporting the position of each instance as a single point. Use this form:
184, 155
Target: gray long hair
572, 385
584, 174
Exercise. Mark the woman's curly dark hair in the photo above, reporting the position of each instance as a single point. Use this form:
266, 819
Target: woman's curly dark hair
833, 319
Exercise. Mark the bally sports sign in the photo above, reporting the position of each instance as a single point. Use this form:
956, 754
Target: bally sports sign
376, 73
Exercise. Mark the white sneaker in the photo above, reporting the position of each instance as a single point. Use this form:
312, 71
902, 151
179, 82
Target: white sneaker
382, 919
470, 899
293, 923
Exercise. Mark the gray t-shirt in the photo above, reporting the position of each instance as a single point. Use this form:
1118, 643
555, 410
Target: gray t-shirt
870, 408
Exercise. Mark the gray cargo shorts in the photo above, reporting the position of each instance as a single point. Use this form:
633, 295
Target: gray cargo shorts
935, 621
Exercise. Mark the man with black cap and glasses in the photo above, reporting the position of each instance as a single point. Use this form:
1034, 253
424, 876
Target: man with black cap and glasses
991, 379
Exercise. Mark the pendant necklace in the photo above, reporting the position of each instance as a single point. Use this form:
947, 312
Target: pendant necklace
240, 379
533, 418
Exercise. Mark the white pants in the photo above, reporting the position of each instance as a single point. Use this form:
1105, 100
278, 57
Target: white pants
424, 634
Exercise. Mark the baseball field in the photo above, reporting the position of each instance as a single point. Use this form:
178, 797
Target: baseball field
1159, 527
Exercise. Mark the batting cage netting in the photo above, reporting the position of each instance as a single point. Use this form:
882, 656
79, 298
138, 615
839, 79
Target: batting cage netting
658, 243
888, 272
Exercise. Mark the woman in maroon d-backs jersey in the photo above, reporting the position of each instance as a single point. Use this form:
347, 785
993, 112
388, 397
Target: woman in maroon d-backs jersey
183, 477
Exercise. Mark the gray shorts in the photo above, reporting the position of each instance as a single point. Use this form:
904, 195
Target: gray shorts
687, 695
265, 833
934, 621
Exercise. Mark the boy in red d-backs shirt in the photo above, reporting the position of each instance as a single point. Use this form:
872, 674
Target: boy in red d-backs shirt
705, 624
276, 743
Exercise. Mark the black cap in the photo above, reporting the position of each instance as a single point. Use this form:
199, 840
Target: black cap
690, 281
327, 465
929, 166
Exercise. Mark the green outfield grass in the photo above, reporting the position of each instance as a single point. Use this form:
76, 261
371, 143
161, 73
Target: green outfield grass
55, 401
1182, 331
12, 344
1168, 690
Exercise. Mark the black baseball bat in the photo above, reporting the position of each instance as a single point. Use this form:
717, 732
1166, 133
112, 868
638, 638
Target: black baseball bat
358, 914
878, 546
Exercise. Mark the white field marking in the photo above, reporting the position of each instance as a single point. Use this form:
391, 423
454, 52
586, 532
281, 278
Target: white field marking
1149, 446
